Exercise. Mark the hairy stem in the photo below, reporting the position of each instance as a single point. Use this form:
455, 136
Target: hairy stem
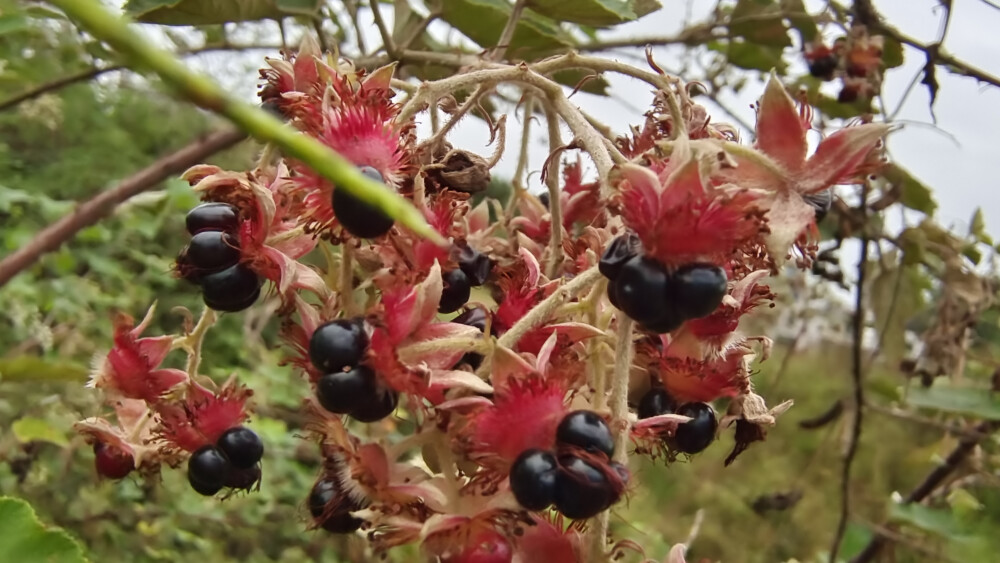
192, 342
543, 310
91, 16
555, 203
508, 31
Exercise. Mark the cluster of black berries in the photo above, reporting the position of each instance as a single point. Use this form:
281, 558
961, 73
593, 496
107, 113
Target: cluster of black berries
578, 487
231, 462
348, 386
360, 218
212, 259
658, 299
331, 507
692, 436
473, 270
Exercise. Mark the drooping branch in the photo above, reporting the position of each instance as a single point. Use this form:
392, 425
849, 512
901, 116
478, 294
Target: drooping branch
92, 211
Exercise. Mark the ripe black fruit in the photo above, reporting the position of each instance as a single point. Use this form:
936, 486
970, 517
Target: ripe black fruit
622, 249
232, 289
641, 288
242, 446
823, 67
212, 251
338, 344
360, 218
587, 430
582, 490
533, 479
475, 265
243, 479
820, 202
667, 323
656, 402
378, 406
613, 295
341, 392
695, 435
338, 520
208, 470
456, 291
698, 289
212, 216
473, 317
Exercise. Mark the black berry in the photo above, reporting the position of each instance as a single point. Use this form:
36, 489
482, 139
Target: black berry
823, 67
667, 323
582, 490
232, 289
473, 317
243, 479
112, 462
622, 249
340, 392
213, 216
241, 446
475, 265
337, 520
338, 344
533, 479
696, 435
641, 288
456, 291
212, 251
544, 198
656, 402
208, 470
360, 218
698, 289
613, 295
377, 407
587, 430
820, 202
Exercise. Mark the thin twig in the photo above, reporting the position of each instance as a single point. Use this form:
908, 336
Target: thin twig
387, 41
93, 210
555, 203
508, 32
857, 367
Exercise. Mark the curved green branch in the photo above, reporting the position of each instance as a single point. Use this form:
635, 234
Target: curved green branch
92, 17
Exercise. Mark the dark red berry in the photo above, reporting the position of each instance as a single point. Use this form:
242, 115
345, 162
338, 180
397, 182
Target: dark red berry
212, 216
475, 265
824, 67
487, 546
378, 406
849, 94
360, 218
338, 344
456, 291
656, 402
582, 490
212, 251
820, 202
533, 479
342, 391
232, 289
330, 508
243, 479
208, 470
587, 430
695, 435
698, 289
621, 249
112, 462
641, 288
241, 446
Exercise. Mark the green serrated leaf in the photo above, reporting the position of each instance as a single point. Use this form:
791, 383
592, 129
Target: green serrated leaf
33, 368
26, 540
760, 22
963, 400
31, 429
206, 12
482, 21
598, 13
914, 194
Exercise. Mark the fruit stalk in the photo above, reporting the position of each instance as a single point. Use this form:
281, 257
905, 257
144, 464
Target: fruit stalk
92, 17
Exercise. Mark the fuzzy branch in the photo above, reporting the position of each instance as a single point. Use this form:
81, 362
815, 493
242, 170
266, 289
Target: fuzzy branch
93, 210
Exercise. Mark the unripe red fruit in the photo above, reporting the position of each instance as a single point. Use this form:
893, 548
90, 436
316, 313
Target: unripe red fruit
112, 462
486, 547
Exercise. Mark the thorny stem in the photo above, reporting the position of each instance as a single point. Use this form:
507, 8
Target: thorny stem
555, 203
543, 310
92, 17
470, 103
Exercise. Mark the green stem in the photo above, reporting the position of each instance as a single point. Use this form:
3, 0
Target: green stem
92, 17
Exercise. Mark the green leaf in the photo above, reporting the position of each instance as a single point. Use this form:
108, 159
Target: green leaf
754, 56
204, 12
963, 400
892, 53
12, 23
26, 540
598, 13
914, 194
897, 293
800, 18
33, 368
760, 22
31, 429
932, 520
482, 21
